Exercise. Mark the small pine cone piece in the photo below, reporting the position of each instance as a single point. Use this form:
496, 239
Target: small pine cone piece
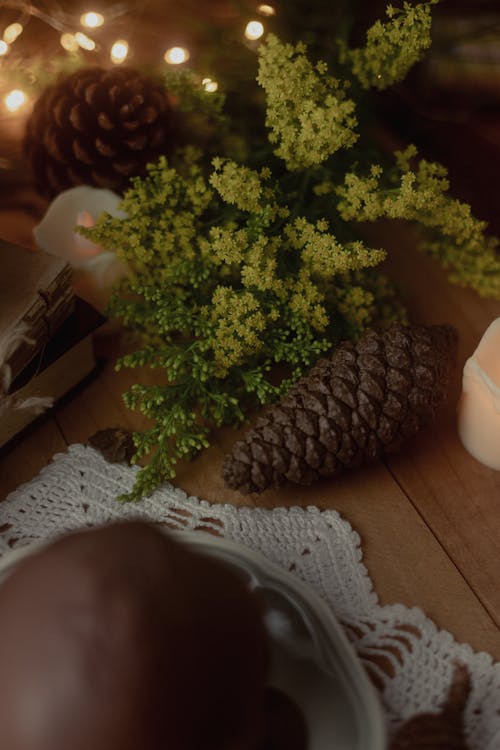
114, 444
97, 127
362, 402
441, 731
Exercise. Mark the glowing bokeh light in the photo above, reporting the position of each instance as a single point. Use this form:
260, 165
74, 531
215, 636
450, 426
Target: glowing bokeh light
4, 48
176, 55
119, 51
209, 85
266, 10
69, 42
14, 100
84, 41
12, 31
254, 30
92, 20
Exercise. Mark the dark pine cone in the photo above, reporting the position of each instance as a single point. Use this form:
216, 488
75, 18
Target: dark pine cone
362, 402
97, 127
115, 445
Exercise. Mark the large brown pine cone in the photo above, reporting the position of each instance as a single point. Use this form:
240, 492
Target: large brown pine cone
362, 402
97, 127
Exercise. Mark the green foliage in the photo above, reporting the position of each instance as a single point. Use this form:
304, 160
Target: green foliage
391, 48
242, 274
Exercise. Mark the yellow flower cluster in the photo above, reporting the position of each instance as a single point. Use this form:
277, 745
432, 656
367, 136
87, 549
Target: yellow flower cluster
238, 322
260, 269
308, 112
307, 302
237, 185
392, 48
324, 255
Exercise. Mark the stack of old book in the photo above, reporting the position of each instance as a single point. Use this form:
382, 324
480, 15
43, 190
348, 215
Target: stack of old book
45, 335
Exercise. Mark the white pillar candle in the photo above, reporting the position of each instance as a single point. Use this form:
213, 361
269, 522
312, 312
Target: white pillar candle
95, 270
82, 206
479, 405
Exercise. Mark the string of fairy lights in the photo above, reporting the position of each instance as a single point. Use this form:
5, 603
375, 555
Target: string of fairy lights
76, 35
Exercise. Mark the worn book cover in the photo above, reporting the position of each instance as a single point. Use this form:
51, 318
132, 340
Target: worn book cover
66, 360
35, 291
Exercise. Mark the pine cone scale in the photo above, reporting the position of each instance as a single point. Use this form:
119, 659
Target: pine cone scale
387, 430
104, 149
314, 453
338, 412
313, 401
395, 406
104, 121
124, 168
271, 435
398, 358
81, 153
280, 456
293, 440
306, 423
372, 385
360, 431
367, 410
328, 434
344, 393
137, 142
373, 364
397, 381
329, 423
93, 96
240, 453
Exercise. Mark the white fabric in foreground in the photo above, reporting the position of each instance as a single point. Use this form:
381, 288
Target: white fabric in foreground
401, 648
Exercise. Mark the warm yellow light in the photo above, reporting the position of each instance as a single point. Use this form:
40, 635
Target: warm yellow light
12, 32
14, 100
266, 10
209, 85
176, 55
254, 30
69, 42
119, 51
92, 20
4, 48
84, 41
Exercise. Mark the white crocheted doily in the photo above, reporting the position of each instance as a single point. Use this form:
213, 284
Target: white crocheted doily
405, 653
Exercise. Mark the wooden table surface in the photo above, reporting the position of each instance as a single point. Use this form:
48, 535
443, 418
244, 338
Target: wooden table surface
429, 517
